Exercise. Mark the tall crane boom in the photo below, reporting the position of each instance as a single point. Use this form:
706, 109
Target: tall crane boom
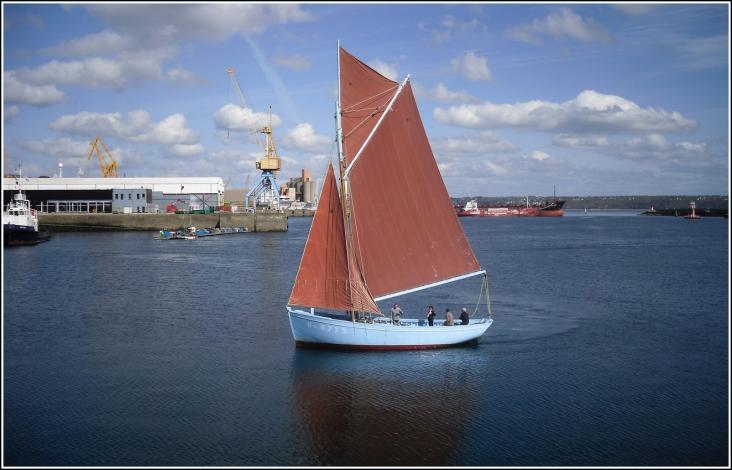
107, 168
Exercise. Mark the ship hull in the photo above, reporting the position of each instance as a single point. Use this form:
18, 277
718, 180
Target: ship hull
14, 235
311, 330
553, 209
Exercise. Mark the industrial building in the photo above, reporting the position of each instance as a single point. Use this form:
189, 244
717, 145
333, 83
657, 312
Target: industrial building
300, 188
118, 195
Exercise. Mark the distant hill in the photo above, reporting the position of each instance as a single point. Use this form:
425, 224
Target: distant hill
610, 202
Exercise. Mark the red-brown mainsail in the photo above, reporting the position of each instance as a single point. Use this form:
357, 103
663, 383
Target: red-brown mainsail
405, 231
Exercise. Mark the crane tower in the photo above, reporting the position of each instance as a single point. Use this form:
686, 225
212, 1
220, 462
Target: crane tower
107, 168
265, 191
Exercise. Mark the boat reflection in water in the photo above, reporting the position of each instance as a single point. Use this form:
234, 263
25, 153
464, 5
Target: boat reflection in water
389, 409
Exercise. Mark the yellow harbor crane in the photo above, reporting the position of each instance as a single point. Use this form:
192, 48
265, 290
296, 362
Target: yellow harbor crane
266, 189
107, 168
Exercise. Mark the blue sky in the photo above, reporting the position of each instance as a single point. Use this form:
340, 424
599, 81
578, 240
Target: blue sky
597, 99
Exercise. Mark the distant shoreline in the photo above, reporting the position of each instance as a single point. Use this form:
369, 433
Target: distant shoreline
640, 203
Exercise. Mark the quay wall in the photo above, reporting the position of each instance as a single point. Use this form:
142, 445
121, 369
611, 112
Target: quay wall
254, 222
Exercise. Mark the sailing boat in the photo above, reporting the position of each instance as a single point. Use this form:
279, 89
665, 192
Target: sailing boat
363, 248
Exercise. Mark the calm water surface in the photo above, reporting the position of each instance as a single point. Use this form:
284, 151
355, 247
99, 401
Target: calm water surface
609, 347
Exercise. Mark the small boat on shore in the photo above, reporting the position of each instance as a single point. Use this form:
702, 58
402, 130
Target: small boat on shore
192, 233
20, 223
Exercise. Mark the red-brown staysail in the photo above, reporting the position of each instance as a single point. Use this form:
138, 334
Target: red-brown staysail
325, 278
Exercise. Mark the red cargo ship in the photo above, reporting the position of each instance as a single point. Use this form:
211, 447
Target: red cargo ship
542, 209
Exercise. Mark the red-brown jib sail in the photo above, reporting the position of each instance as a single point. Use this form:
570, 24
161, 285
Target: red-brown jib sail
325, 278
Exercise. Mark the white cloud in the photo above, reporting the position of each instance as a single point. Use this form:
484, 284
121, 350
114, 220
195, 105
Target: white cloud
472, 67
10, 112
387, 70
563, 22
303, 137
17, 91
635, 9
169, 23
292, 62
182, 75
187, 150
136, 126
231, 117
98, 44
441, 93
63, 147
112, 124
649, 147
495, 169
482, 143
450, 27
94, 72
170, 131
539, 156
567, 140
589, 112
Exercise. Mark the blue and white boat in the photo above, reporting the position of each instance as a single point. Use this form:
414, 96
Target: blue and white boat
364, 248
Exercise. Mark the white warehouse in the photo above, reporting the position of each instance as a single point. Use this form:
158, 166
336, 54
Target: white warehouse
149, 194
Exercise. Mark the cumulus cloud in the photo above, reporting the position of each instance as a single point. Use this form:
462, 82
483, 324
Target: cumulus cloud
494, 168
184, 150
635, 9
387, 70
303, 137
441, 93
472, 67
589, 112
169, 23
97, 44
10, 112
649, 147
450, 26
170, 131
111, 124
94, 72
539, 156
292, 62
182, 75
17, 91
482, 143
561, 23
135, 126
231, 117
63, 147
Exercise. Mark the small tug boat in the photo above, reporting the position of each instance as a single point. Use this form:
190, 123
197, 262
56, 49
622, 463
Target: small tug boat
20, 223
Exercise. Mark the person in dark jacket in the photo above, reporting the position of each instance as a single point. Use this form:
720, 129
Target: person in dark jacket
464, 317
430, 315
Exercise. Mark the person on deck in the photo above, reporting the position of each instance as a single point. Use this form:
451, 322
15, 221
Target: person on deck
430, 315
396, 314
464, 317
449, 320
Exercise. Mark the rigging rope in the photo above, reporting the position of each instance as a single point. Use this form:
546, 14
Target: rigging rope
353, 107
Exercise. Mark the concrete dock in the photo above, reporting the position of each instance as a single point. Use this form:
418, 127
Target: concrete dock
254, 222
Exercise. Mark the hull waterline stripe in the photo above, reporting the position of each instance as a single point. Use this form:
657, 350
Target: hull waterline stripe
427, 286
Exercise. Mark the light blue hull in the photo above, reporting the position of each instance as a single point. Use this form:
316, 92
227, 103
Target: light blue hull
314, 330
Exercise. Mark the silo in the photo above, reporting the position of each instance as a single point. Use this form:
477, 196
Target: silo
307, 192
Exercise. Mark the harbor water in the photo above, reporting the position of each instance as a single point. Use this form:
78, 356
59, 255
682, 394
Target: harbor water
609, 347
